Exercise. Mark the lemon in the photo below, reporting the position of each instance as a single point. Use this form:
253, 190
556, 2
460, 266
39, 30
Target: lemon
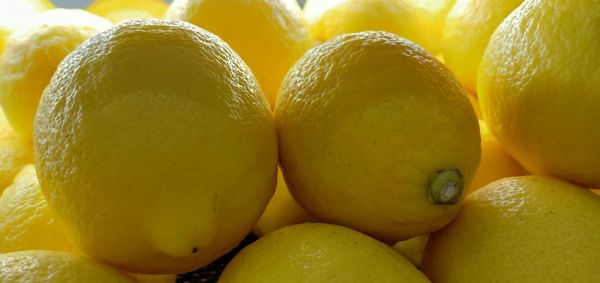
495, 162
56, 267
270, 35
418, 21
281, 211
117, 11
157, 134
377, 135
433, 18
14, 13
31, 56
26, 222
315, 252
538, 88
467, 31
519, 229
15, 153
413, 248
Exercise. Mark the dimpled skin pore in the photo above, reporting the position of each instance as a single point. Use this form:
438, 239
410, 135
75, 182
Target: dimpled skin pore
519, 229
270, 35
316, 252
156, 146
539, 88
56, 267
363, 121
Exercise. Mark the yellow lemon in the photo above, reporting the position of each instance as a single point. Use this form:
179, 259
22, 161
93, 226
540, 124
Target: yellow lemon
15, 153
270, 35
467, 31
282, 211
56, 267
315, 252
117, 11
519, 229
495, 162
26, 222
538, 88
157, 134
15, 13
31, 56
433, 14
377, 135
412, 248
418, 21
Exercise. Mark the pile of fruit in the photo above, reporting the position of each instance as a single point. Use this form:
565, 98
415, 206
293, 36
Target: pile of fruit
359, 140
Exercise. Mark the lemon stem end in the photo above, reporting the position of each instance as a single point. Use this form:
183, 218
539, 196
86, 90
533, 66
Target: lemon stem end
445, 186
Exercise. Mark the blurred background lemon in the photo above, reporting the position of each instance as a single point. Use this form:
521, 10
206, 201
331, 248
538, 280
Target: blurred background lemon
416, 20
32, 54
119, 10
14, 13
467, 30
270, 35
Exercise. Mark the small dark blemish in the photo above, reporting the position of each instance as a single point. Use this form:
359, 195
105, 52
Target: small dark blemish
194, 250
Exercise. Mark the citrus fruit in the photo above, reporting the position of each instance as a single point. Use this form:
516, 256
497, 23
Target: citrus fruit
117, 11
15, 153
14, 13
413, 248
417, 21
538, 88
31, 56
281, 211
56, 267
26, 222
495, 162
377, 135
433, 18
270, 35
316, 252
523, 229
157, 134
467, 31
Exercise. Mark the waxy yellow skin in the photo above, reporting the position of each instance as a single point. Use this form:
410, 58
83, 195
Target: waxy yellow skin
364, 121
519, 229
155, 136
270, 35
317, 252
56, 267
539, 88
